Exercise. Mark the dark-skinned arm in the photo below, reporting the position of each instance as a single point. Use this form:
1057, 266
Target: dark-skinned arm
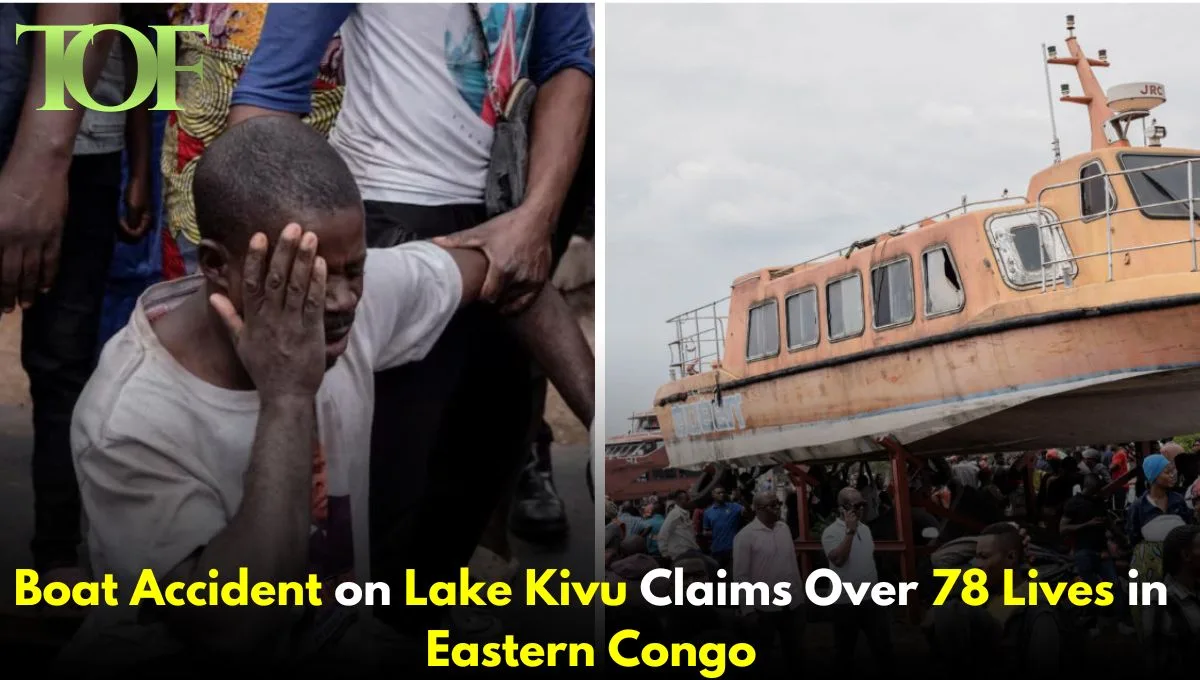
548, 330
275, 506
279, 338
137, 217
52, 133
840, 552
33, 181
518, 242
560, 124
279, 77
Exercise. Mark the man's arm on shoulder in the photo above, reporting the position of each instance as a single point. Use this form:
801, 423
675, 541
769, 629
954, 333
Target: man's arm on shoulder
428, 292
279, 77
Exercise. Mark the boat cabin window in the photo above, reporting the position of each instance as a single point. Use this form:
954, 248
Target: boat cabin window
1161, 192
1093, 191
892, 293
802, 324
1015, 239
1029, 251
943, 289
762, 334
844, 307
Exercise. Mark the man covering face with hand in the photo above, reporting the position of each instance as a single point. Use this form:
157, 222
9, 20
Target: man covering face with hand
229, 424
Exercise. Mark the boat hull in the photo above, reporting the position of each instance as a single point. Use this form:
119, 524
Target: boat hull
1108, 378
631, 479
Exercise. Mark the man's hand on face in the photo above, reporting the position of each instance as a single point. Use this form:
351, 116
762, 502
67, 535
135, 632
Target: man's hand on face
280, 334
33, 205
851, 519
518, 252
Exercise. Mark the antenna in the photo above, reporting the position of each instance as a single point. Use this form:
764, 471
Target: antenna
1099, 113
1046, 56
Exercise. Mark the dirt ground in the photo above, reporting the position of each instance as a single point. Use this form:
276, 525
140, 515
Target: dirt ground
14, 387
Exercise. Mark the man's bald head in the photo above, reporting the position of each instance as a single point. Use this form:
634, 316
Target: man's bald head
1170, 450
849, 496
766, 507
763, 498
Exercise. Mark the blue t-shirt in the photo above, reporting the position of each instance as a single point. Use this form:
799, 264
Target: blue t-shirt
425, 83
724, 521
653, 523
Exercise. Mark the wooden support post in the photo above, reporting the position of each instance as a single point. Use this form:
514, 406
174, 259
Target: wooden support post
800, 480
1031, 511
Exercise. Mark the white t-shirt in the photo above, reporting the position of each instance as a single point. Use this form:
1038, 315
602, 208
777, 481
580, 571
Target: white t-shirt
161, 455
859, 567
436, 153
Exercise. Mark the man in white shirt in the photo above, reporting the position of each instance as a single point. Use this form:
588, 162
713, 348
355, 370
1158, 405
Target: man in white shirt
676, 537
763, 552
229, 424
851, 551
427, 85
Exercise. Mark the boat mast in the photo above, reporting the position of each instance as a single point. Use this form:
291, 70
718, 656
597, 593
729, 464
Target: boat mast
1050, 100
1093, 96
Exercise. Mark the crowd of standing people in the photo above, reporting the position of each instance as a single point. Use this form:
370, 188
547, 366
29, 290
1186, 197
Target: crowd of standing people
1097, 512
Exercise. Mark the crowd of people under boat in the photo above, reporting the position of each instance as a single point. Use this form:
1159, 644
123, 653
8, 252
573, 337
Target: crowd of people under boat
1098, 512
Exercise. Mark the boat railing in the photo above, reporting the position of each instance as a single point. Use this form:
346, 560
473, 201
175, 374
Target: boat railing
957, 211
699, 338
1044, 226
700, 332
962, 209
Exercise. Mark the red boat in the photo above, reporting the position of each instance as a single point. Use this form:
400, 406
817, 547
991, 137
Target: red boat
635, 464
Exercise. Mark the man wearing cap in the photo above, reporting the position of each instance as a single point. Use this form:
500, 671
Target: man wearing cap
1092, 465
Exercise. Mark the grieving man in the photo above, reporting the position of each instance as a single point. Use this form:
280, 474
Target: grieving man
229, 424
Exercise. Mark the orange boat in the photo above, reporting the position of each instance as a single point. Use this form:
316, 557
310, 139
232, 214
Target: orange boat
1067, 316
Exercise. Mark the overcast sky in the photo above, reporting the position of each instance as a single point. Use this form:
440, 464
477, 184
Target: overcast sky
745, 136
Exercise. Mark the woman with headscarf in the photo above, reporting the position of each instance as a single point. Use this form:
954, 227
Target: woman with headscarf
1151, 517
